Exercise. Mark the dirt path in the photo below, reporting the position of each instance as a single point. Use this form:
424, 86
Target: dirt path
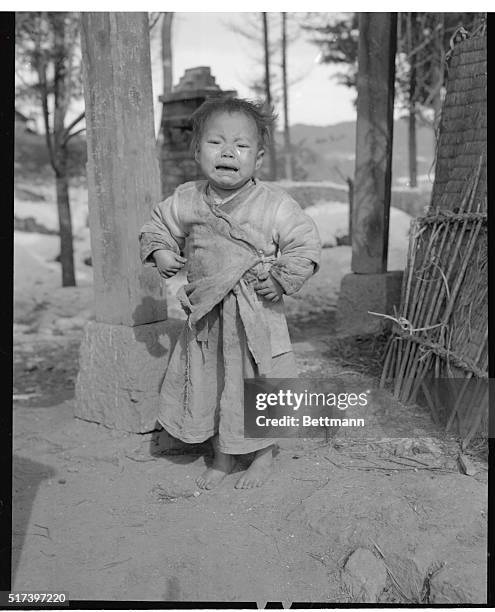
101, 514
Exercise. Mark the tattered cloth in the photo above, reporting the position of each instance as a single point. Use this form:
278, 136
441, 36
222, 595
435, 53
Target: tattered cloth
230, 333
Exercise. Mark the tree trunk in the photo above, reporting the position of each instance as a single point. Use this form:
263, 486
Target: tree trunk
268, 95
166, 54
61, 93
65, 224
289, 174
166, 33
413, 164
438, 82
350, 197
412, 143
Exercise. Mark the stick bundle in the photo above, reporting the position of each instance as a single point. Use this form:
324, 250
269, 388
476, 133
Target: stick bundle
444, 306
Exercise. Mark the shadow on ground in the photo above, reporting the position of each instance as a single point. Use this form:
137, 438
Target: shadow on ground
27, 477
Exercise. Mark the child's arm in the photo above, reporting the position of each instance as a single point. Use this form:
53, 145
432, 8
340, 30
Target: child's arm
162, 239
299, 246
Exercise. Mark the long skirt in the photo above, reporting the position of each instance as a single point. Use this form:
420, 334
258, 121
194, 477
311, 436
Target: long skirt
203, 390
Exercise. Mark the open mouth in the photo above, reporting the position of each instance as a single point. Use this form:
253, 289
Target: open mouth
224, 168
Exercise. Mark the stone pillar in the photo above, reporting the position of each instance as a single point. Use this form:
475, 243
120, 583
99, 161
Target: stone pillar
123, 355
177, 163
371, 287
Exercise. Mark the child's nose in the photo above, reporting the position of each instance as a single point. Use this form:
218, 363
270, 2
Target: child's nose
228, 151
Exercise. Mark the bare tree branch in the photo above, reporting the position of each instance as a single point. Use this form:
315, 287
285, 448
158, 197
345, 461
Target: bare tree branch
72, 134
72, 124
154, 20
46, 113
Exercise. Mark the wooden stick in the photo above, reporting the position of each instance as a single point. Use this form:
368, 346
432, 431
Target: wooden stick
466, 201
405, 356
423, 369
460, 275
409, 377
432, 288
458, 401
481, 349
472, 405
388, 356
411, 257
430, 402
427, 280
474, 425
419, 287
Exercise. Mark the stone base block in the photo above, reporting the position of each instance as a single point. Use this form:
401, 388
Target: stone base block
360, 293
121, 370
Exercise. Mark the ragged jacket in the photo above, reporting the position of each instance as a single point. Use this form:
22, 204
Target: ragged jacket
261, 230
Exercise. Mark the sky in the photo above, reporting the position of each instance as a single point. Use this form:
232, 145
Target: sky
206, 39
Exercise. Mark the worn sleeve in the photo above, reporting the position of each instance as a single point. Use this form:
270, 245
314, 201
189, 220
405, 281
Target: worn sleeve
165, 230
299, 246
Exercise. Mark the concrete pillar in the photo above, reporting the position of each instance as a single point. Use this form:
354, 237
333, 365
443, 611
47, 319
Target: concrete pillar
124, 352
371, 287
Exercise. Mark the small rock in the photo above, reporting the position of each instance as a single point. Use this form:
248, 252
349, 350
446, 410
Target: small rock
426, 445
61, 481
466, 466
414, 446
365, 576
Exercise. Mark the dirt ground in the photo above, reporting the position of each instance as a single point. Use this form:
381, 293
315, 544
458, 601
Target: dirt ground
105, 515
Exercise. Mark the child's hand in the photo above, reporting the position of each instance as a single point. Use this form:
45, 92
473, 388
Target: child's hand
269, 289
168, 263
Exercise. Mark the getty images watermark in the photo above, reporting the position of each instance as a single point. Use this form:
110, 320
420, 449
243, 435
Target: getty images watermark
275, 407
316, 408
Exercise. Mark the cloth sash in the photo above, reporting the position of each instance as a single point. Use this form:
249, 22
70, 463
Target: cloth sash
246, 265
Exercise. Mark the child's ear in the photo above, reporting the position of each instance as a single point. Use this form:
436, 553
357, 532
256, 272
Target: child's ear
259, 158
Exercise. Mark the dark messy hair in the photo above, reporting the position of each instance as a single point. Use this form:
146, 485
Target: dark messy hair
262, 115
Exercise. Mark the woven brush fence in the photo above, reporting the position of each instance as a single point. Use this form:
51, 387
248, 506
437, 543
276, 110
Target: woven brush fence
441, 329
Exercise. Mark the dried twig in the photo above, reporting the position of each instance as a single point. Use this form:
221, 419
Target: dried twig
390, 573
114, 563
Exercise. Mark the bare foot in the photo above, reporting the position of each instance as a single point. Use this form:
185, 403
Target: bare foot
258, 471
222, 465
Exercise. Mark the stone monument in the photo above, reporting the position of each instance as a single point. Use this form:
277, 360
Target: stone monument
176, 162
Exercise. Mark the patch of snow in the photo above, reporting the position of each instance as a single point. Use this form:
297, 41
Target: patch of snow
286, 183
332, 221
425, 182
46, 212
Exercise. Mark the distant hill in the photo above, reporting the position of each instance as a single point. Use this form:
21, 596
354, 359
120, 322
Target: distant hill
322, 152
333, 146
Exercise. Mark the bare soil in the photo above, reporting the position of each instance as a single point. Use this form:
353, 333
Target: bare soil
106, 515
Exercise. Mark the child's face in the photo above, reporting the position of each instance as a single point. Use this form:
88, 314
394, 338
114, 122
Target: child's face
228, 151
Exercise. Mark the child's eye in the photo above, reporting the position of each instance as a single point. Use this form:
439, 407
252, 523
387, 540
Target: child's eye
213, 142
243, 146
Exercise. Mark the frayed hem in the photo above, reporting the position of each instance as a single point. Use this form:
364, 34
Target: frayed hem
198, 439
245, 449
